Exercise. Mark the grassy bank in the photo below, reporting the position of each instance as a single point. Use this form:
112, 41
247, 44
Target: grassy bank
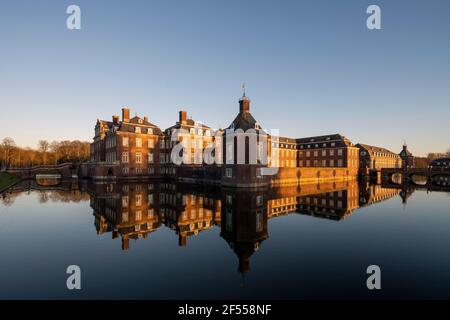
7, 180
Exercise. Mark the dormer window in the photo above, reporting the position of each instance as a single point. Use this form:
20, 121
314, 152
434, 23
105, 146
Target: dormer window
137, 130
140, 121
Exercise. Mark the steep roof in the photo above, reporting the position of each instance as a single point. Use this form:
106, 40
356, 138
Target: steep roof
326, 138
372, 149
245, 121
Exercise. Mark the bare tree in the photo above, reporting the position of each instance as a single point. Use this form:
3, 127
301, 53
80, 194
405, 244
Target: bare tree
54, 147
43, 147
8, 147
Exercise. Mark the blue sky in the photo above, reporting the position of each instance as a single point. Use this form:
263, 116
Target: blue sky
311, 67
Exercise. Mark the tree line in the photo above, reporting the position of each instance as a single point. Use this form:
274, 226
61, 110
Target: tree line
45, 153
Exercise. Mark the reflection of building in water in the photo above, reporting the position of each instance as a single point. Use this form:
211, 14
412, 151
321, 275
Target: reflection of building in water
133, 210
371, 194
336, 202
126, 210
188, 211
244, 222
333, 200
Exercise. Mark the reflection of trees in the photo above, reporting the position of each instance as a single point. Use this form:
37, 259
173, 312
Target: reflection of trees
8, 199
68, 196
43, 197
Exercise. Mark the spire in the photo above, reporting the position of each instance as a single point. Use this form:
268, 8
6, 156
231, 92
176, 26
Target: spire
244, 102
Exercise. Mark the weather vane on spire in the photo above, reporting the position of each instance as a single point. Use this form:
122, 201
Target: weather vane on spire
243, 89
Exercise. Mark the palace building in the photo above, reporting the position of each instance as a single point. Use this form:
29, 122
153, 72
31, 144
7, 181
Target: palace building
375, 158
242, 155
126, 148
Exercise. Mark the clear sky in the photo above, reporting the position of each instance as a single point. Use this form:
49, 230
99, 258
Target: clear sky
311, 67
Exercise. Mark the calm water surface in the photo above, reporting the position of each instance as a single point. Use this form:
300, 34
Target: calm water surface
173, 241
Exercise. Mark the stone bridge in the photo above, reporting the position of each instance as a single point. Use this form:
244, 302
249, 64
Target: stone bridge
435, 175
65, 170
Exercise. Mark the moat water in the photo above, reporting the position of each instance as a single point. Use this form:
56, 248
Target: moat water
173, 241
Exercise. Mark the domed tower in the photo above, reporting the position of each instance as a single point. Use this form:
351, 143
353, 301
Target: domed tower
407, 157
244, 144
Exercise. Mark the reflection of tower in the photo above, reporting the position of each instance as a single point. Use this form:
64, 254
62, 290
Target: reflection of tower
125, 243
406, 193
244, 223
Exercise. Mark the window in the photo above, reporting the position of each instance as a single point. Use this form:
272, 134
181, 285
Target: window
138, 199
308, 153
150, 131
150, 143
331, 152
340, 164
324, 163
200, 132
208, 133
138, 157
150, 157
125, 157
150, 199
138, 142
339, 152
259, 200
324, 153
124, 201
138, 170
138, 215
229, 199
124, 216
137, 130
259, 172
332, 163
125, 141
316, 153
229, 221
229, 172
151, 170
259, 221
192, 131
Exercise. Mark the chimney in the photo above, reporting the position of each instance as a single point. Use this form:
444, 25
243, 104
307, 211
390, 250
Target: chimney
145, 119
183, 117
244, 105
125, 114
115, 119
